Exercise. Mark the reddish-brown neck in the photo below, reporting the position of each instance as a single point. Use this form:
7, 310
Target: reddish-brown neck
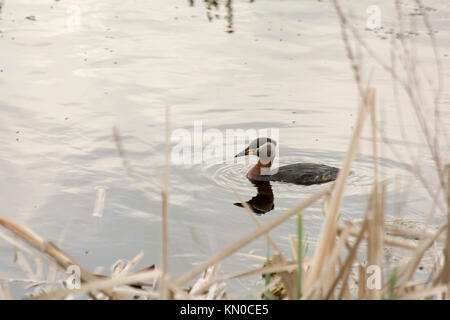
256, 170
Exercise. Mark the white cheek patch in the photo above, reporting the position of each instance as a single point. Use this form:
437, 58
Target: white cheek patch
266, 153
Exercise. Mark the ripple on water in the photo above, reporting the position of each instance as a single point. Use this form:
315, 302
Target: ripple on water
231, 176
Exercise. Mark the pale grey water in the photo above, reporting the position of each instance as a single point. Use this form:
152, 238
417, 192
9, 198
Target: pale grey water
62, 89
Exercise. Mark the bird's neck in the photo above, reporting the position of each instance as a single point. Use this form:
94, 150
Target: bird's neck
259, 168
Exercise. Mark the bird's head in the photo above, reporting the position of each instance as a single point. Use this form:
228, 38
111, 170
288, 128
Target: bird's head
263, 148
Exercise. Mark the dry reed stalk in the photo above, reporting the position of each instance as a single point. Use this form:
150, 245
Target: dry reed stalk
408, 270
135, 292
131, 264
431, 213
411, 234
426, 293
177, 290
375, 234
286, 277
100, 285
165, 197
356, 68
346, 290
344, 272
388, 240
375, 230
288, 266
61, 258
444, 275
294, 249
251, 237
202, 285
23, 263
362, 289
252, 256
51, 276
17, 244
329, 227
328, 271
4, 292
165, 207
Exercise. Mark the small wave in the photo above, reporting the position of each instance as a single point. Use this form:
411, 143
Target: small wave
229, 176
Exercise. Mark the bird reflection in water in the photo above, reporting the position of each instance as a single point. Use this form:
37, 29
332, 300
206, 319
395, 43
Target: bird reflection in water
213, 8
263, 201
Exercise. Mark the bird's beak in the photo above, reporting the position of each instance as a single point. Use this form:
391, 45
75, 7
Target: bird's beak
246, 152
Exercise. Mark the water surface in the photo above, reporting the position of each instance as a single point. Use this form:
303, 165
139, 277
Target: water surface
240, 65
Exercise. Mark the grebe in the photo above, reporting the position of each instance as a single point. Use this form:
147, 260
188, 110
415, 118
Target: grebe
298, 173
